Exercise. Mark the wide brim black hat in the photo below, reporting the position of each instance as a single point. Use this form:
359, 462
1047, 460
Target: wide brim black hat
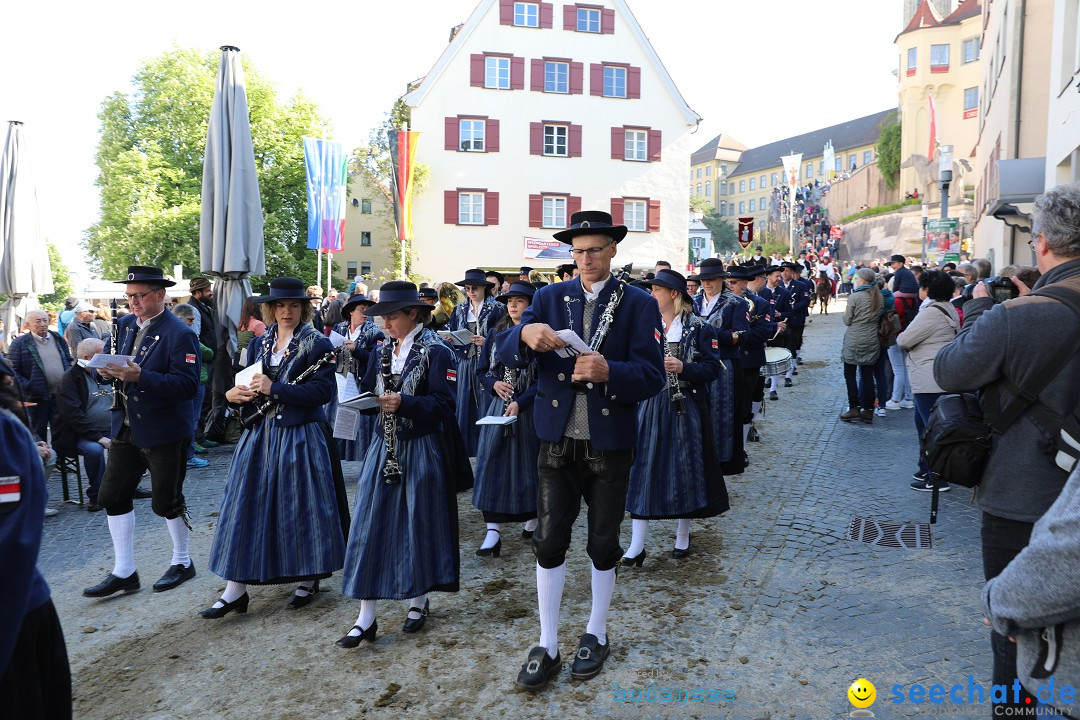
284, 288
737, 272
359, 299
711, 269
591, 222
397, 295
476, 278
671, 280
898, 258
518, 289
145, 274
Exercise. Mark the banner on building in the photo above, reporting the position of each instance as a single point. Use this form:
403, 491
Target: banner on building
327, 166
545, 249
829, 158
403, 161
746, 231
943, 239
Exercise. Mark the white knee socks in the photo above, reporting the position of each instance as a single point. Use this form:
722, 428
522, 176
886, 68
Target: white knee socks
122, 530
416, 602
639, 532
492, 536
774, 383
755, 408
365, 618
745, 432
233, 591
791, 369
603, 583
549, 590
180, 534
682, 534
530, 525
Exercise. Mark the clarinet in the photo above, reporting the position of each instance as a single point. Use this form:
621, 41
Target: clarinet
508, 378
261, 406
113, 349
392, 468
603, 326
674, 389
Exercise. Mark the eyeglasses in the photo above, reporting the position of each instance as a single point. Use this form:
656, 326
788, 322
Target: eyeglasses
592, 252
138, 296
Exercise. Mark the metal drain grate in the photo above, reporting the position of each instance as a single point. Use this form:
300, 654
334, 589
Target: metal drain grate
884, 533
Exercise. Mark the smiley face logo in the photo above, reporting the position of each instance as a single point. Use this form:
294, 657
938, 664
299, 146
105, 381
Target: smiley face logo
862, 693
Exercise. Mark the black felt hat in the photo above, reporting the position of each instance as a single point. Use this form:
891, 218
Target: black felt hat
475, 277
145, 274
397, 295
671, 280
284, 288
711, 268
591, 222
358, 299
518, 288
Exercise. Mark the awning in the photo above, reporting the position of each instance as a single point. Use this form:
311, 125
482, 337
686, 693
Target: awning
1020, 181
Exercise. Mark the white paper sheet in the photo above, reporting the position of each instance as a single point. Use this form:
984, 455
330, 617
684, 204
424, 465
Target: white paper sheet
456, 337
337, 339
244, 376
497, 420
345, 423
104, 360
574, 344
364, 401
346, 387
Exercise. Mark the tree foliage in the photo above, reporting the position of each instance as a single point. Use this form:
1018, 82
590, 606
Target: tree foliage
700, 203
150, 163
62, 287
725, 239
888, 153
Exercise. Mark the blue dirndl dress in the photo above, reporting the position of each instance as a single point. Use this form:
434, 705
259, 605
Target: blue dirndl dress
675, 473
403, 542
355, 448
507, 480
280, 519
468, 387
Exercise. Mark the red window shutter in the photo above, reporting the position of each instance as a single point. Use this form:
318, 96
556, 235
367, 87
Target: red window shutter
453, 133
476, 70
491, 135
547, 15
517, 73
617, 211
596, 79
577, 78
536, 211
491, 208
633, 83
506, 12
574, 141
536, 138
573, 205
537, 80
618, 143
654, 216
569, 17
654, 146
607, 22
450, 207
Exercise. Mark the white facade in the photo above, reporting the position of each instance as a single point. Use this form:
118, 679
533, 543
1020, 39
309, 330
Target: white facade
700, 241
1063, 115
443, 246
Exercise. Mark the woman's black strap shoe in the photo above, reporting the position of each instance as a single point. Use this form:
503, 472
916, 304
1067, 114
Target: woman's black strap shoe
632, 561
240, 605
412, 625
351, 641
298, 601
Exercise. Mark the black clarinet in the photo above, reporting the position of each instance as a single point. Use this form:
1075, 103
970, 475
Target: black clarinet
253, 413
391, 468
114, 344
508, 378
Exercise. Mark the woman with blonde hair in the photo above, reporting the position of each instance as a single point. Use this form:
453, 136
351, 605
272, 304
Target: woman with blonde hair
862, 347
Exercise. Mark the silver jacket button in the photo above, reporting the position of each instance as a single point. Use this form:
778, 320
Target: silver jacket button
589, 385
605, 411
562, 376
554, 403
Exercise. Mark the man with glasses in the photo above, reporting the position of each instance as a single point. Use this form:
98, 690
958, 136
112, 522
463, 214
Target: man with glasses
586, 418
84, 419
40, 358
151, 429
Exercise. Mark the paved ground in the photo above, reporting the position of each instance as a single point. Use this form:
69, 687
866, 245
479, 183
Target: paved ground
775, 608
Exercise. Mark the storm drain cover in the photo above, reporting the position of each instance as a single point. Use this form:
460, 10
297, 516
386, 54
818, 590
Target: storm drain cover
885, 533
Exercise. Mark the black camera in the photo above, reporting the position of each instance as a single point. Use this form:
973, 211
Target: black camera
1001, 288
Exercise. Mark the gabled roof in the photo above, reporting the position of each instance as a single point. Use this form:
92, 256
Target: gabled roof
415, 97
847, 135
925, 16
707, 152
967, 9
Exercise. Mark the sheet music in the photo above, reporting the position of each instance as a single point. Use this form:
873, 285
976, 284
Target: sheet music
244, 376
337, 339
346, 387
456, 337
345, 423
363, 401
574, 344
105, 360
497, 420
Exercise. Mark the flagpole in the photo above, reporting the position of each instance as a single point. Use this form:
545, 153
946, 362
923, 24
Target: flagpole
401, 229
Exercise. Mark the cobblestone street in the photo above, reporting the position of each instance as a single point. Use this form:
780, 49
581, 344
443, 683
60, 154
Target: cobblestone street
775, 606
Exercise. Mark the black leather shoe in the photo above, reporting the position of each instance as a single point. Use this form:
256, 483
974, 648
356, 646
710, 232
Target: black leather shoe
752, 435
539, 669
142, 493
351, 641
240, 605
175, 575
298, 601
92, 506
411, 625
680, 554
527, 534
773, 395
787, 382
632, 561
493, 551
590, 657
112, 584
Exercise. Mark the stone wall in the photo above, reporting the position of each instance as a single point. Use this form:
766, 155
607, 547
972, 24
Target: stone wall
879, 236
865, 186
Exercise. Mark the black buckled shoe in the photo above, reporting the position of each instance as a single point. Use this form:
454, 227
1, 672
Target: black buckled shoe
351, 641
175, 575
112, 584
298, 601
590, 657
539, 669
680, 553
787, 382
411, 625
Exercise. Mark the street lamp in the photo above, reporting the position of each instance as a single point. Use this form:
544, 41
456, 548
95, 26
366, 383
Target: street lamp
925, 218
945, 175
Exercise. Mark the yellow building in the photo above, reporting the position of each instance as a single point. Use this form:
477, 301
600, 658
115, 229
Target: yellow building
939, 59
710, 166
369, 233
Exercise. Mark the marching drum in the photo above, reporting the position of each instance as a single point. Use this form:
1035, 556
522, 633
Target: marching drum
777, 361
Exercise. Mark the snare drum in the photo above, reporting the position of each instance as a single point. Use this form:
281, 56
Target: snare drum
777, 361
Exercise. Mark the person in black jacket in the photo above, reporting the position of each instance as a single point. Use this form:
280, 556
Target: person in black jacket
202, 298
83, 419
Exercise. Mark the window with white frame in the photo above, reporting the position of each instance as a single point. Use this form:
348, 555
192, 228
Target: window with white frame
970, 49
939, 56
555, 140
588, 20
851, 161
821, 167
698, 173
742, 186
554, 212
753, 203
497, 73
971, 98
773, 180
742, 206
912, 59
723, 170
614, 81
708, 170
526, 14
365, 269
761, 205
839, 163
637, 147
753, 183
635, 215
708, 188
556, 77
351, 269
723, 209
723, 188
471, 208
867, 157
365, 238
761, 182
471, 133
698, 192
365, 206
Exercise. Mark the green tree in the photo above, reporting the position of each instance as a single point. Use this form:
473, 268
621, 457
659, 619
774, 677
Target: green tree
725, 239
700, 203
888, 152
62, 287
150, 163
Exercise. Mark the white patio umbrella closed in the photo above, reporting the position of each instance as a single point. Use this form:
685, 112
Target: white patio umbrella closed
24, 259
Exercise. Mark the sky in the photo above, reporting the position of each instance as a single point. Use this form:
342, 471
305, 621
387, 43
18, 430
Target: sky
758, 70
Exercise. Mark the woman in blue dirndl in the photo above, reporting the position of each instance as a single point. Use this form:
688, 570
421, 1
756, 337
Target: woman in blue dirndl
506, 462
478, 314
361, 336
283, 515
404, 543
676, 474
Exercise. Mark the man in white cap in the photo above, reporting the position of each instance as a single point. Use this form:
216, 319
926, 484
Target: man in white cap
83, 327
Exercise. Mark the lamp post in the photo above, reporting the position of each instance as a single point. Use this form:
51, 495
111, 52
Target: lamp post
792, 163
925, 219
945, 175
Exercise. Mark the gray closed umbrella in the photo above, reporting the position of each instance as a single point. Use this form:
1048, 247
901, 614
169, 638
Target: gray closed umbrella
24, 258
231, 224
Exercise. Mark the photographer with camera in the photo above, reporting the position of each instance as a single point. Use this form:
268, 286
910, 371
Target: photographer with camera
1003, 347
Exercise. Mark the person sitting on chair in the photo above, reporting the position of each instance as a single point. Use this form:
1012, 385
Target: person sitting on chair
83, 419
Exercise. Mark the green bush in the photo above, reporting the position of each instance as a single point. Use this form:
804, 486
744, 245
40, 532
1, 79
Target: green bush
880, 210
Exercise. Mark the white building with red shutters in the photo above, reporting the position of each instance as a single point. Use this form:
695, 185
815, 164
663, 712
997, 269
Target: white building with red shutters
525, 120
